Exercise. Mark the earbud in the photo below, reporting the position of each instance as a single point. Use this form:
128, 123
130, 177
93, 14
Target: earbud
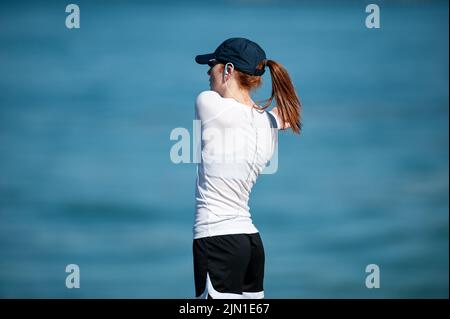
229, 64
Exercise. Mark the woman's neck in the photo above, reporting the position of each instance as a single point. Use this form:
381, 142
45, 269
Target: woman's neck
242, 96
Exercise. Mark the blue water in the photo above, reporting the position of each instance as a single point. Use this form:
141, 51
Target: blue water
85, 172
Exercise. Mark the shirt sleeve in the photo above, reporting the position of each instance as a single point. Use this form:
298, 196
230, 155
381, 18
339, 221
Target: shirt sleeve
274, 119
208, 106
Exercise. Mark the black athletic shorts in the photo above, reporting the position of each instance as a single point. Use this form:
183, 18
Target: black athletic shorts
229, 266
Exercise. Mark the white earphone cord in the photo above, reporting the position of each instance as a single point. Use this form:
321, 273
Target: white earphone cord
253, 123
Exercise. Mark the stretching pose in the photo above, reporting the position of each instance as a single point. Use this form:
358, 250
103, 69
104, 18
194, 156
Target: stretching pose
238, 140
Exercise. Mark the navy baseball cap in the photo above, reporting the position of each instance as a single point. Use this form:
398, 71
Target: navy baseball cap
243, 53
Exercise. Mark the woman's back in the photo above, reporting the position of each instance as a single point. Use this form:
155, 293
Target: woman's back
237, 143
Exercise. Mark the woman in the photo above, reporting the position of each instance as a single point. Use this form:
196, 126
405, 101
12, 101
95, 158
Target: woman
238, 140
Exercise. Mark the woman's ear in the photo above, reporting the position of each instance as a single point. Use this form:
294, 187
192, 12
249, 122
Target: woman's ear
228, 70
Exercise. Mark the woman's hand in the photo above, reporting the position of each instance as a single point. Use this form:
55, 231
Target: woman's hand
276, 112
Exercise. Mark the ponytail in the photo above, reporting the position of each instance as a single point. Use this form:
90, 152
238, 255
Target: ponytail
287, 102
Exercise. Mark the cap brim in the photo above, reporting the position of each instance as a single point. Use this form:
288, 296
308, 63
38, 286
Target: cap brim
204, 58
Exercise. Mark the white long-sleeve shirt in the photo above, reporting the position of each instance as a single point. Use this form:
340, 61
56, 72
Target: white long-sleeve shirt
237, 142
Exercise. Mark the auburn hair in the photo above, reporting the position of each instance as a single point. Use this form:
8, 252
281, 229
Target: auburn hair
283, 92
